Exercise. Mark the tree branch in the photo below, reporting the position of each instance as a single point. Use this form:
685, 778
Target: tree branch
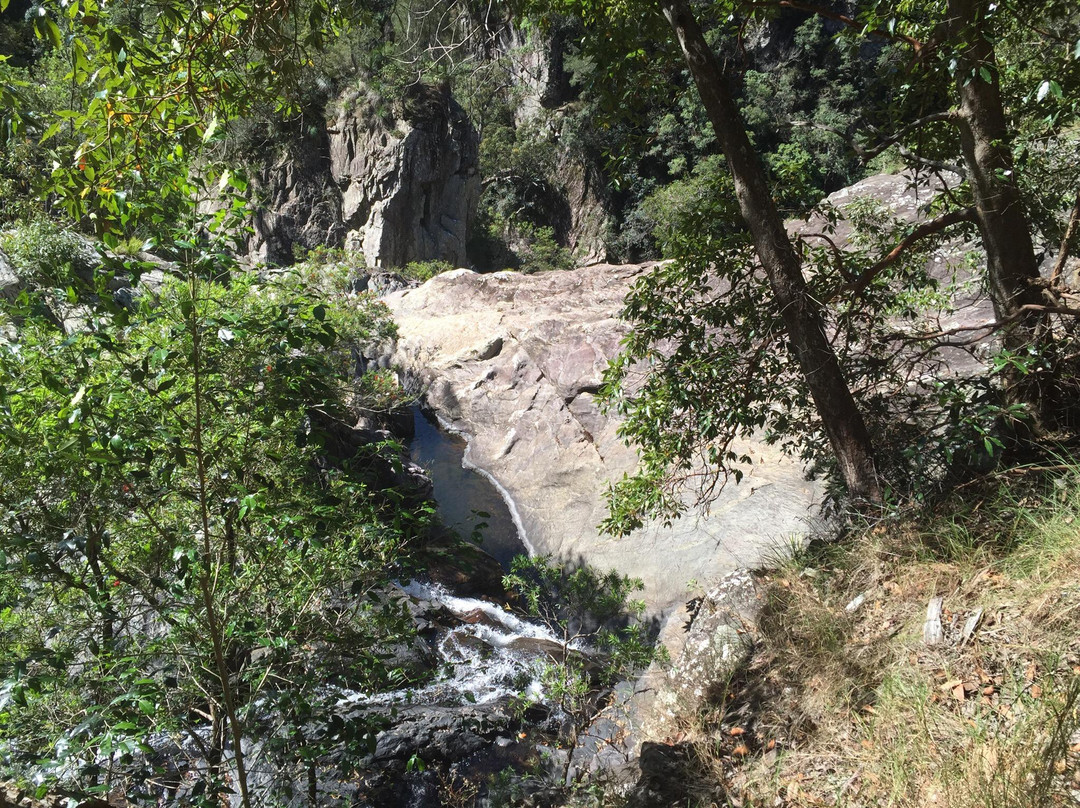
924, 230
946, 116
1063, 250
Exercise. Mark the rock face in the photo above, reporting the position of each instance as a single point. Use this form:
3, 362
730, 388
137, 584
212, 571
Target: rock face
408, 191
10, 283
296, 203
707, 643
400, 186
514, 363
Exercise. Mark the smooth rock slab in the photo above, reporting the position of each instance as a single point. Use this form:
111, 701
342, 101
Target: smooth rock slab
514, 362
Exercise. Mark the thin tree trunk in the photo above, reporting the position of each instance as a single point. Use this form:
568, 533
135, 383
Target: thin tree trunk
840, 416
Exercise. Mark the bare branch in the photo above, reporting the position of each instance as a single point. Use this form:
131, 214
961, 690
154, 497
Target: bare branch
1066, 240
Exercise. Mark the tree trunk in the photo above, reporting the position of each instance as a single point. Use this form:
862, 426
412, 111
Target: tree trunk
840, 416
1011, 265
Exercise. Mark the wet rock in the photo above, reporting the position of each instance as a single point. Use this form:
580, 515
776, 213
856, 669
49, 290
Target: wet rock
440, 733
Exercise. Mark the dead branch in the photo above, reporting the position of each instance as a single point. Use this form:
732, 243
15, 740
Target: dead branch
1066, 240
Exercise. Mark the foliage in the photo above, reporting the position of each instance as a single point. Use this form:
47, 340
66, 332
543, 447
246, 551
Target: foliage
992, 713
603, 639
150, 85
425, 270
42, 251
174, 542
540, 252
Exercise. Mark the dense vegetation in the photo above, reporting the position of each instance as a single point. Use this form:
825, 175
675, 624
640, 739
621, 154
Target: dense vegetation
187, 549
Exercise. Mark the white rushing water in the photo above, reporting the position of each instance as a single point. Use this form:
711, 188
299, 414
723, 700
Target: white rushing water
491, 654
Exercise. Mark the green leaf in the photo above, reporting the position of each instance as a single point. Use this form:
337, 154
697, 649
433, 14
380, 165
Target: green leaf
986, 75
50, 132
54, 33
146, 707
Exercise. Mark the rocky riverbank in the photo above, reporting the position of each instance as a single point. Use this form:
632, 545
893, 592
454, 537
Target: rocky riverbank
514, 362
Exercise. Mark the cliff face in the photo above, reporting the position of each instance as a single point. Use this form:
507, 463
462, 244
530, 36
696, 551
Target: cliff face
408, 190
400, 187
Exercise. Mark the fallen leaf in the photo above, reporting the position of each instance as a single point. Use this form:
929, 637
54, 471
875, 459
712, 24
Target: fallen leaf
736, 732
741, 750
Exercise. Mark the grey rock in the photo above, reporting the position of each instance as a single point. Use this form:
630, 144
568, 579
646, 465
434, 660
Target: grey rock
401, 187
408, 187
530, 415
706, 644
10, 283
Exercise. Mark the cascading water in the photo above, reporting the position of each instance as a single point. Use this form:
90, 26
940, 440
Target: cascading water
487, 652
462, 492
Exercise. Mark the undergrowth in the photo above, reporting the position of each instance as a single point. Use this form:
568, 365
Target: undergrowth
844, 703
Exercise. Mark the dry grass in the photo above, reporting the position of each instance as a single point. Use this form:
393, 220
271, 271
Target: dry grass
846, 705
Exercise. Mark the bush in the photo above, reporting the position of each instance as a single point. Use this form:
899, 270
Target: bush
425, 270
170, 520
45, 253
540, 252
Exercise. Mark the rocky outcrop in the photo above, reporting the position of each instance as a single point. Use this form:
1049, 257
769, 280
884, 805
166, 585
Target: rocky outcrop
408, 189
401, 185
514, 362
707, 641
589, 214
295, 203
10, 283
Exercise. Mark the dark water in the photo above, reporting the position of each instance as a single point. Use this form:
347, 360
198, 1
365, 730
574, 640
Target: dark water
461, 493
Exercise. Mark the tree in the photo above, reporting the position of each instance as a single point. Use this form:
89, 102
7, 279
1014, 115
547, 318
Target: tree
173, 536
840, 416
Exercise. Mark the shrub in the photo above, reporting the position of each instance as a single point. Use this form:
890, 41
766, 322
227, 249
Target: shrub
44, 252
425, 270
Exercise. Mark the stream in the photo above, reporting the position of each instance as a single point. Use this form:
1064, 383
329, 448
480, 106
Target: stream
463, 493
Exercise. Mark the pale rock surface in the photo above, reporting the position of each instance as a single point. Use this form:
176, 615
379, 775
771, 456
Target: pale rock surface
10, 283
514, 362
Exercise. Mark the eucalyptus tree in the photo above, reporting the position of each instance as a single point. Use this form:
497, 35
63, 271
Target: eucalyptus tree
681, 412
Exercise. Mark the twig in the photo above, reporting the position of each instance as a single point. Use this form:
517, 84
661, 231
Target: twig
1063, 250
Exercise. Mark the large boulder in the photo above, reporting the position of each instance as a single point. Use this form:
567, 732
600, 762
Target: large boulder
514, 363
